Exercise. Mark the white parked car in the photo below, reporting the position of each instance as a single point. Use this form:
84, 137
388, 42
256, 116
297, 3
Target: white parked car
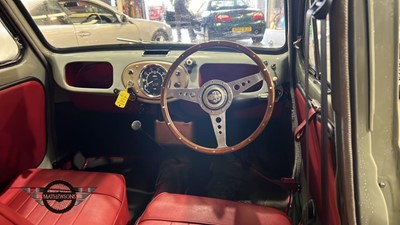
91, 22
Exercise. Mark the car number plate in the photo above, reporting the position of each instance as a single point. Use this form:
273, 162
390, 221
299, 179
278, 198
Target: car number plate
241, 29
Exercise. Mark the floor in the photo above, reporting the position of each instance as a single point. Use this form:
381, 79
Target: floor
150, 169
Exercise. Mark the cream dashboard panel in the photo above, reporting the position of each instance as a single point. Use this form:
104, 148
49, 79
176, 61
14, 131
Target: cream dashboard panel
128, 65
127, 71
145, 78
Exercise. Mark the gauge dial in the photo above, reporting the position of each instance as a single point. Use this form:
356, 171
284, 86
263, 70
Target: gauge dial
151, 79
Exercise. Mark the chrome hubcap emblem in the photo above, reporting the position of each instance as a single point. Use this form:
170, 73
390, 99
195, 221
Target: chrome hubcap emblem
215, 97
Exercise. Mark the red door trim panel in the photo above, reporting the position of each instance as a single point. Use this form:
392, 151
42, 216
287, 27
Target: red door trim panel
330, 215
23, 139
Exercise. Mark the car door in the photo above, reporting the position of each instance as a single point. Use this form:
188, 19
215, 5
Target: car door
92, 21
60, 35
23, 81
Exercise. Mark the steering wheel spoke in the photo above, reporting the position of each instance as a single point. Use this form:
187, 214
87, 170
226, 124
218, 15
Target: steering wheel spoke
186, 94
219, 126
240, 85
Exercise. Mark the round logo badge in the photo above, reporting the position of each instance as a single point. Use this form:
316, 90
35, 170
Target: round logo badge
59, 196
214, 97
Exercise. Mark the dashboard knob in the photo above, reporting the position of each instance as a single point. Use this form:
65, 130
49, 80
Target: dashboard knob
136, 125
189, 62
177, 85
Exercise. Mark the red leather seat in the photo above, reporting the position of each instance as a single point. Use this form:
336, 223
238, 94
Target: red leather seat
107, 204
168, 209
23, 145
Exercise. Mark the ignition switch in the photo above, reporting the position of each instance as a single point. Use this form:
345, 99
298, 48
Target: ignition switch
132, 95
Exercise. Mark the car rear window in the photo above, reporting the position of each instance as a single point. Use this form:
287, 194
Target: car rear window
231, 4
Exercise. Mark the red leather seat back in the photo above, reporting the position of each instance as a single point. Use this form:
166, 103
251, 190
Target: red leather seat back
22, 128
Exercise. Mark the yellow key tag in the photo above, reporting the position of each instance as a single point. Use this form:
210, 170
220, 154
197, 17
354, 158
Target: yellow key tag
122, 99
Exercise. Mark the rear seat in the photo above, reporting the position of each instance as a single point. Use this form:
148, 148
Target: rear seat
107, 204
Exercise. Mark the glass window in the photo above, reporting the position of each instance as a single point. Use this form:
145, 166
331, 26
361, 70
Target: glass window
232, 4
258, 23
86, 12
202, 8
12, 51
48, 13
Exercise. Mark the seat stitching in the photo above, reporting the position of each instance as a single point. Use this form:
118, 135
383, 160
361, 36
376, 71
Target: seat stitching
80, 210
13, 198
58, 220
119, 211
175, 220
107, 195
124, 200
45, 214
33, 209
22, 204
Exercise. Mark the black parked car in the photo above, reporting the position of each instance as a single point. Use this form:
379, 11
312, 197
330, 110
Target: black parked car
224, 19
229, 19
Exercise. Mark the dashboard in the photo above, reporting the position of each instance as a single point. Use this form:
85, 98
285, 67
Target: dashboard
101, 75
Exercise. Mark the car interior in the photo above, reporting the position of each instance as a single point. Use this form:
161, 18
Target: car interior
211, 132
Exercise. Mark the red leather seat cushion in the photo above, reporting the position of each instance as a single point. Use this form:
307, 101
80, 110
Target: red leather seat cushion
107, 204
9, 217
179, 209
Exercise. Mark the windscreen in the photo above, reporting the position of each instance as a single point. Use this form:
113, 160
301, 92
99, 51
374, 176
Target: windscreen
79, 23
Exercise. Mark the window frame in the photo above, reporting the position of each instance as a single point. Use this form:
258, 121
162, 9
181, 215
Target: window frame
315, 42
15, 37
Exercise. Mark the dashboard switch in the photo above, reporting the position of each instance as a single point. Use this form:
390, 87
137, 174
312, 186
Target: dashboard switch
132, 95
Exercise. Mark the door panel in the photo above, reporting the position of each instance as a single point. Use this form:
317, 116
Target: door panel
22, 127
93, 34
23, 141
60, 36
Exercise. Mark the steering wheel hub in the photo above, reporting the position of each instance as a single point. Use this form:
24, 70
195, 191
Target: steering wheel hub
216, 97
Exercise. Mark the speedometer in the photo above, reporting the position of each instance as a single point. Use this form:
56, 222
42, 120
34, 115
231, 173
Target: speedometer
151, 79
145, 78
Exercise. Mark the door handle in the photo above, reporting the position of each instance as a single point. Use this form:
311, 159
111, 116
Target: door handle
84, 34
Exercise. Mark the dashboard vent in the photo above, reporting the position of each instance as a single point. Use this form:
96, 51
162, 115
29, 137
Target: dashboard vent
152, 52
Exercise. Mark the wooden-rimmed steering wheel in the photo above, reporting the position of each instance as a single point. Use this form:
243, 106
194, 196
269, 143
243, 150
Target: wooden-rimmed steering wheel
215, 97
